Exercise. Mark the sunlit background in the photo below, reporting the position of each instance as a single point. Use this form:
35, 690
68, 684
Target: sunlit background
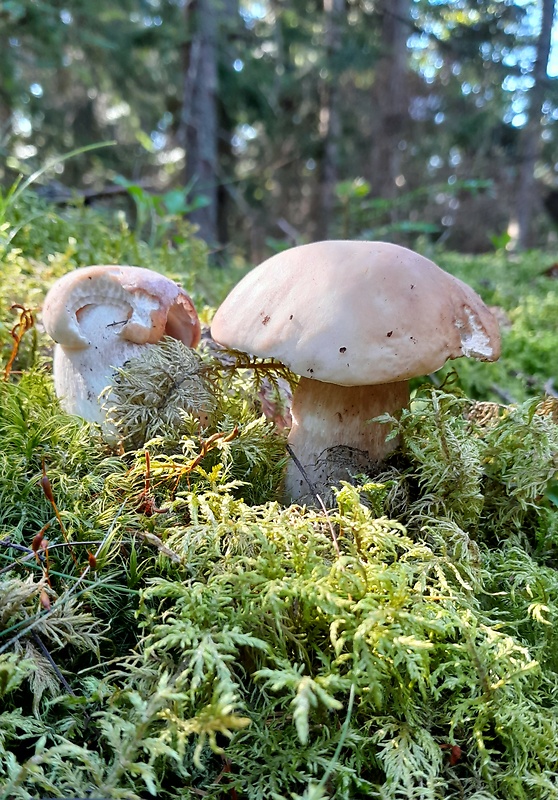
298, 121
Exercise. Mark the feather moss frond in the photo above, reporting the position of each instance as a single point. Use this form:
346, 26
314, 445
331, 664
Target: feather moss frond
153, 393
401, 645
483, 470
264, 621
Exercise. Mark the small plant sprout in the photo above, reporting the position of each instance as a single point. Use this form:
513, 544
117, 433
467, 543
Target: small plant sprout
102, 316
356, 320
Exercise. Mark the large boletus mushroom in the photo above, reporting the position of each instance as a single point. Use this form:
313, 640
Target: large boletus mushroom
102, 316
356, 320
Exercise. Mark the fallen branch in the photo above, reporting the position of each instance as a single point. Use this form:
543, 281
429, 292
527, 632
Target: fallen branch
53, 664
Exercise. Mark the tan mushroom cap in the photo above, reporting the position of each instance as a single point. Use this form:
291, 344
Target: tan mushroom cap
154, 305
356, 313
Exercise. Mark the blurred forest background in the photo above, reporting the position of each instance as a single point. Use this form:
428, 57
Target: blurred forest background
273, 123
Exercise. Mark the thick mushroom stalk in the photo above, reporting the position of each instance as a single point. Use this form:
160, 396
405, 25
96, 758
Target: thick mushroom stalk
356, 320
100, 317
331, 430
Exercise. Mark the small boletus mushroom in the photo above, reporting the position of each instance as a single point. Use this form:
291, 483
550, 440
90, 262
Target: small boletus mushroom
356, 320
100, 317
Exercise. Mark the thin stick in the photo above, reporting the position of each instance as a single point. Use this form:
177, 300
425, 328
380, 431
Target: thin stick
14, 546
314, 491
53, 664
66, 596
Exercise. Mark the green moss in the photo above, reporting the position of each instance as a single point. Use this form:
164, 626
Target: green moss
524, 291
198, 637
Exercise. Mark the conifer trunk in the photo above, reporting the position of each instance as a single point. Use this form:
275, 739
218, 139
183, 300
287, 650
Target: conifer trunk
198, 124
530, 144
390, 99
329, 120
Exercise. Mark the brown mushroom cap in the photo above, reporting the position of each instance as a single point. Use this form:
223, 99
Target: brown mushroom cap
356, 313
154, 305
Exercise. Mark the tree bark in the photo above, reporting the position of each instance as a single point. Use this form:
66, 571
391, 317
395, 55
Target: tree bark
329, 120
198, 124
390, 98
526, 188
230, 47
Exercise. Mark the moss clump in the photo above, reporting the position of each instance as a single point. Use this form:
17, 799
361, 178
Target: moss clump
168, 629
488, 468
523, 292
155, 394
279, 651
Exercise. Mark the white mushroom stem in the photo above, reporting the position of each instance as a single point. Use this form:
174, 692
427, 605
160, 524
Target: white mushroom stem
327, 416
101, 317
80, 376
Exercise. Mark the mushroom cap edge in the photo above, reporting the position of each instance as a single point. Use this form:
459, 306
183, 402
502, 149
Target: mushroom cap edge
167, 308
356, 313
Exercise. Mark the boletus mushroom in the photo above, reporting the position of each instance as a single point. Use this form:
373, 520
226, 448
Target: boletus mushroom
356, 320
100, 317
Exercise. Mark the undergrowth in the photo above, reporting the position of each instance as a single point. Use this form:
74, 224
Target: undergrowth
169, 628
523, 292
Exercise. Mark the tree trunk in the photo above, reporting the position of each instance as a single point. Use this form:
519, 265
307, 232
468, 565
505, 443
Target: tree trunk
198, 124
329, 121
526, 189
390, 99
7, 72
230, 47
